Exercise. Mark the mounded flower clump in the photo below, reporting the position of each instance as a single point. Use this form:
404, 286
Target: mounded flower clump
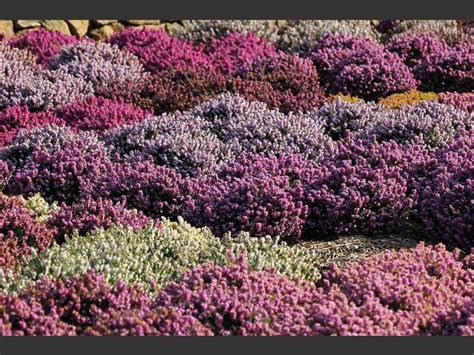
238, 178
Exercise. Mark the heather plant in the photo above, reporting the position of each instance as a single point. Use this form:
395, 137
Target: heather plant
157, 191
365, 187
415, 49
15, 118
152, 258
345, 98
89, 214
158, 51
40, 207
420, 291
286, 82
429, 122
64, 175
339, 117
251, 127
448, 70
24, 83
447, 196
301, 35
262, 196
48, 138
44, 44
462, 101
235, 51
99, 114
170, 90
360, 67
98, 63
203, 31
20, 233
448, 30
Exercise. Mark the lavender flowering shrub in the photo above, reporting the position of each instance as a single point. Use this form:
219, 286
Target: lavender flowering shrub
44, 44
98, 63
251, 127
289, 83
447, 197
24, 83
158, 51
359, 66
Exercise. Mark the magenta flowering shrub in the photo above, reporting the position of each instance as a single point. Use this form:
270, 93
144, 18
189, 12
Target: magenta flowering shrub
158, 51
286, 82
15, 118
448, 70
64, 175
365, 187
20, 232
263, 196
44, 44
235, 51
359, 66
448, 196
462, 101
157, 191
98, 63
416, 48
421, 291
99, 114
89, 214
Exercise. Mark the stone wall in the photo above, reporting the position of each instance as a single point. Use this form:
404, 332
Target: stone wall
96, 29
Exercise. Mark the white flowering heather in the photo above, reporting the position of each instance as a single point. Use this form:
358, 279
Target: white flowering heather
48, 138
432, 122
252, 127
340, 116
201, 31
447, 29
161, 255
99, 63
302, 35
22, 83
40, 207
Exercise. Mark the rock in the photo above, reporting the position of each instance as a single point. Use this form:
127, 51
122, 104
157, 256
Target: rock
78, 27
105, 31
142, 22
56, 25
173, 27
28, 23
103, 22
6, 27
151, 27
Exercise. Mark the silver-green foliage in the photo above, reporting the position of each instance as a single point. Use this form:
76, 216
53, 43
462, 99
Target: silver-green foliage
154, 257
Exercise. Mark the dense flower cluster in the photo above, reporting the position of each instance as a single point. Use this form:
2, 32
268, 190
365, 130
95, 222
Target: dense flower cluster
44, 44
448, 195
221, 177
289, 83
158, 51
20, 232
359, 66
